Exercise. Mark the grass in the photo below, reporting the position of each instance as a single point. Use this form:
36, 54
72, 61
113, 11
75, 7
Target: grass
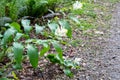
114, 1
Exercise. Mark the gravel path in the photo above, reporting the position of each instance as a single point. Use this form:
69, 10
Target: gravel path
103, 59
111, 54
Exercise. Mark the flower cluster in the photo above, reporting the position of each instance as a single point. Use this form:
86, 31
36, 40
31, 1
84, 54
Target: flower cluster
60, 31
77, 5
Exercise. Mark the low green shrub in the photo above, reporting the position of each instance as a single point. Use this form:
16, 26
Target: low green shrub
19, 8
12, 41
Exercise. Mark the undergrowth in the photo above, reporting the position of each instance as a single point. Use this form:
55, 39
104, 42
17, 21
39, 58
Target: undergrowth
24, 40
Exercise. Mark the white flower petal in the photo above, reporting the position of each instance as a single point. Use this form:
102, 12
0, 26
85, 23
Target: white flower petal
61, 31
77, 5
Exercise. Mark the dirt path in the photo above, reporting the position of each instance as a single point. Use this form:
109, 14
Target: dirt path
101, 61
111, 53
106, 65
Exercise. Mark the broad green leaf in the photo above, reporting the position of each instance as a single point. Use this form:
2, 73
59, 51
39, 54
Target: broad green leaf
4, 78
53, 58
31, 41
41, 42
7, 35
16, 26
59, 56
1, 55
75, 19
18, 52
66, 25
53, 27
69, 64
46, 47
17, 66
68, 72
32, 52
43, 2
39, 29
26, 25
57, 47
18, 36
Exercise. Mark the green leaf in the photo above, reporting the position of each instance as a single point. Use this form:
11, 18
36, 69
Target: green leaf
26, 25
7, 35
17, 66
30, 41
14, 75
4, 78
46, 47
43, 2
32, 52
18, 52
1, 35
53, 58
39, 29
69, 64
1, 55
53, 27
66, 25
75, 19
18, 36
16, 26
58, 49
59, 56
68, 72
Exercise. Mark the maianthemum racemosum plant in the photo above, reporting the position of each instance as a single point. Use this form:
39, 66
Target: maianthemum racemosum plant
12, 41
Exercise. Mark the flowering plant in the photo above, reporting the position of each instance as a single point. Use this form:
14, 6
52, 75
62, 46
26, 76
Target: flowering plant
77, 5
60, 31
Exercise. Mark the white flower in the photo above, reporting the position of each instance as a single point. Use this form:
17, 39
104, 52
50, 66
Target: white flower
60, 31
77, 60
77, 5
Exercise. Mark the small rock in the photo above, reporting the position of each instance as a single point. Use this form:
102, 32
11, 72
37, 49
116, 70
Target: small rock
99, 32
113, 57
118, 48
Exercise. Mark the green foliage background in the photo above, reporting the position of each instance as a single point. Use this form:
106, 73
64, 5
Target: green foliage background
19, 8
